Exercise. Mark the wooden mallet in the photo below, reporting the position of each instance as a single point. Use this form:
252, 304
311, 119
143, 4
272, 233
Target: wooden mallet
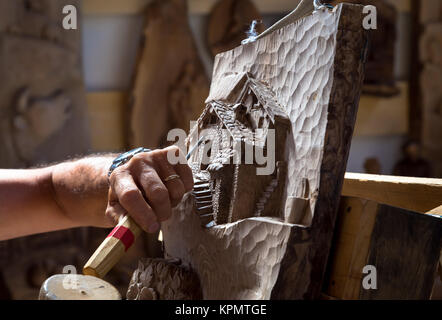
77, 287
121, 238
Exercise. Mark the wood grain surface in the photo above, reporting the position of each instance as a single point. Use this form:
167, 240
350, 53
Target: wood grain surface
415, 194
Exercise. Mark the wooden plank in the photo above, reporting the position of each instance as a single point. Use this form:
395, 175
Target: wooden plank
416, 194
356, 220
105, 112
111, 7
436, 211
405, 250
404, 247
383, 116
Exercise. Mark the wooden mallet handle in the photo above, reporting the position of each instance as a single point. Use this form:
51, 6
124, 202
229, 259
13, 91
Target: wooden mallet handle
113, 248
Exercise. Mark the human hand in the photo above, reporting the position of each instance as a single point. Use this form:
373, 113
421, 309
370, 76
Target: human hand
148, 186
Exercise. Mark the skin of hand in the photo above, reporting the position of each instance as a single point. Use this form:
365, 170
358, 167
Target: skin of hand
79, 193
137, 188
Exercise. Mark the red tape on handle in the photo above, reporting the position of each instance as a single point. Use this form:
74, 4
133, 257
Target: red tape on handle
123, 234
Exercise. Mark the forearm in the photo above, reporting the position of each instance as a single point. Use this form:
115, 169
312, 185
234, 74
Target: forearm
63, 196
81, 189
77, 193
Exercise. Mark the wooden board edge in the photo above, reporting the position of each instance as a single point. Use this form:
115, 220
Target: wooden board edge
351, 49
416, 194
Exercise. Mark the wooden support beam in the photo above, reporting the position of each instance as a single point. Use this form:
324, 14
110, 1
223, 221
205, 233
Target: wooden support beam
436, 211
416, 194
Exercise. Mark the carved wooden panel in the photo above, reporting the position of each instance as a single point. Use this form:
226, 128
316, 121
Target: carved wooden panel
170, 84
314, 67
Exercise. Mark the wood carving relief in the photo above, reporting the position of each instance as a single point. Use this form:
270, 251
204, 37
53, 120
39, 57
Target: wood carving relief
158, 279
42, 101
241, 119
303, 80
170, 84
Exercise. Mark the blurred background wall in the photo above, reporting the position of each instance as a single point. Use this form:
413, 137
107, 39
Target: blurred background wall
111, 35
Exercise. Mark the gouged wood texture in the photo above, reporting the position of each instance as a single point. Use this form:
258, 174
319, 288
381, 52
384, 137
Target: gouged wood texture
299, 68
160, 279
315, 68
233, 261
348, 73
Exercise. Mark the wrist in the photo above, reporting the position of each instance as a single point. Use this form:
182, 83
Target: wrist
80, 189
124, 158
